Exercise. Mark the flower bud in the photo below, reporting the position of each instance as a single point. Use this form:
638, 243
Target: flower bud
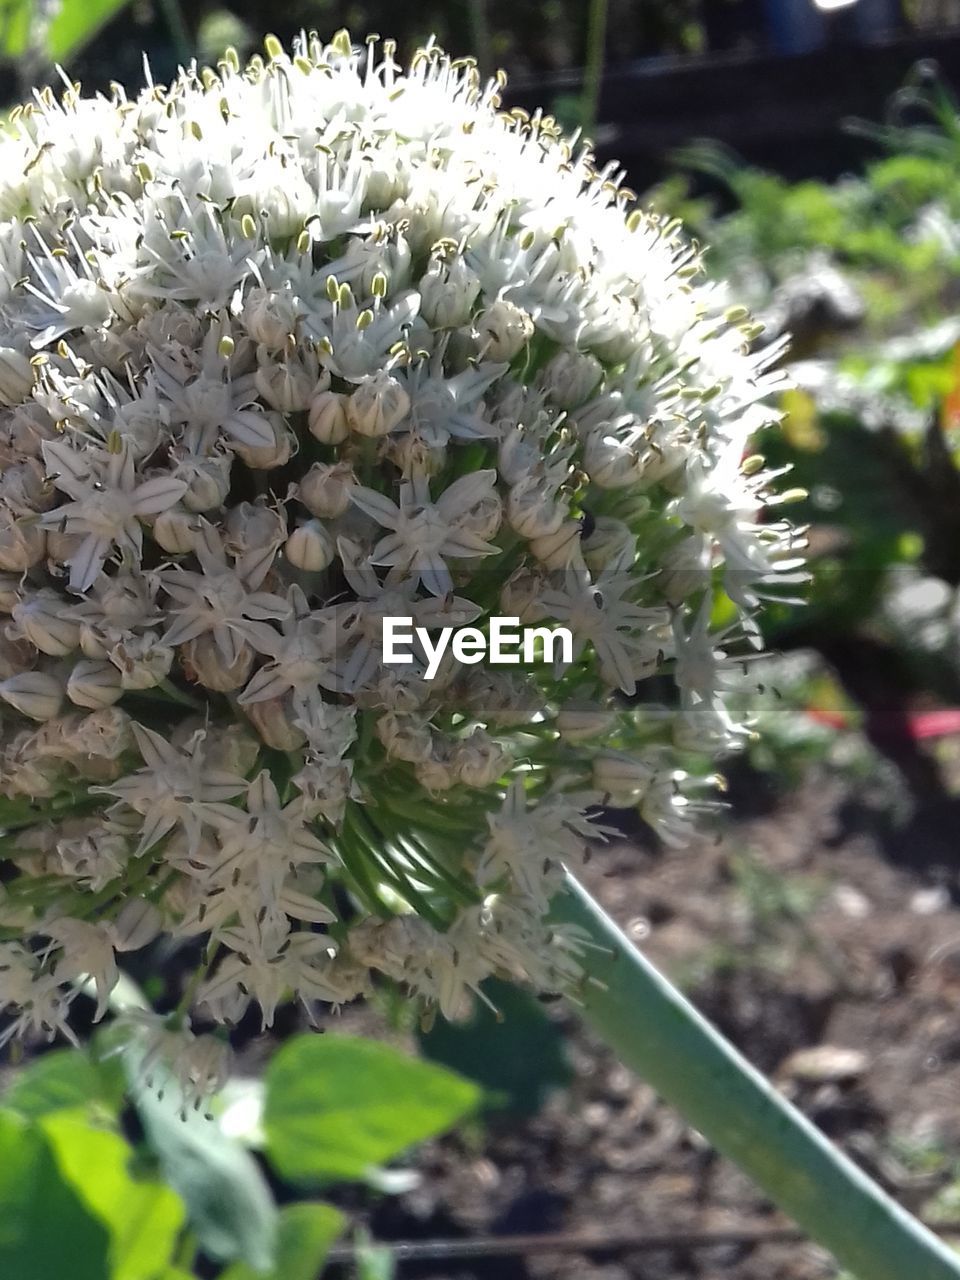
137, 923
686, 568
203, 663
327, 417
175, 531
378, 405
142, 661
480, 761
485, 518
16, 376
266, 457
611, 545
92, 642
583, 721
287, 382
622, 778
231, 748
398, 689
22, 543
16, 656
270, 318
448, 292
25, 489
46, 621
274, 722
253, 526
415, 456
60, 547
561, 549
9, 592
521, 595
405, 738
436, 775
34, 694
532, 511
325, 489
384, 182
94, 685
207, 481
610, 464
518, 455
103, 734
504, 330
142, 423
571, 377
310, 547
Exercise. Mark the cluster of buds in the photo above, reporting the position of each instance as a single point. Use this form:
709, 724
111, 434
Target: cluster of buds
284, 351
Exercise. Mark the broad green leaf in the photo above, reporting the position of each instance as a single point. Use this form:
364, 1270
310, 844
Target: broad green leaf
517, 1054
228, 1201
144, 1217
304, 1236
76, 22
62, 1080
336, 1105
46, 1230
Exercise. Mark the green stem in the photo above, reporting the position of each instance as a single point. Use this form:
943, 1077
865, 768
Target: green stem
660, 1035
593, 71
480, 34
180, 36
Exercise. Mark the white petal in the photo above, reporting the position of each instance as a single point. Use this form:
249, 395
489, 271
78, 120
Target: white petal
154, 496
376, 505
87, 561
464, 494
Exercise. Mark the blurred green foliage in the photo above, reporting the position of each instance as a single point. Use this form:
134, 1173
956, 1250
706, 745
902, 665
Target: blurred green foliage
864, 276
78, 1198
336, 1105
69, 26
509, 1045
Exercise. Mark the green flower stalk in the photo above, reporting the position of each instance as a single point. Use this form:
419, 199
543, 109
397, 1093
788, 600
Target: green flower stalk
658, 1033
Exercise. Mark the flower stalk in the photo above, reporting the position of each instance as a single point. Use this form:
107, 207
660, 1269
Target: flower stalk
661, 1036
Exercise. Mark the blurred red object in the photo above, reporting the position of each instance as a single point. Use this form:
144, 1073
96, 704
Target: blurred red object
920, 724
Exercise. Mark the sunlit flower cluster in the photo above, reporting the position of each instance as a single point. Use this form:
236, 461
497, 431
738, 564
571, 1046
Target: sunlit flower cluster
288, 349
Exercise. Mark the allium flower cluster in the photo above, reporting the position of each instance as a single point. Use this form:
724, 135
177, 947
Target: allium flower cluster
286, 350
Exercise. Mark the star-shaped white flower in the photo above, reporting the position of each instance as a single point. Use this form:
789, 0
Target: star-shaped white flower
223, 599
108, 501
175, 789
424, 533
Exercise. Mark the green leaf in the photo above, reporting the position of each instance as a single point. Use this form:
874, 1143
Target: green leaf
45, 1228
228, 1201
63, 1080
76, 22
519, 1056
143, 1217
304, 1236
336, 1105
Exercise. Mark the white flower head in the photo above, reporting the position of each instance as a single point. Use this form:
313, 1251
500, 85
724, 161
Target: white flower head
288, 350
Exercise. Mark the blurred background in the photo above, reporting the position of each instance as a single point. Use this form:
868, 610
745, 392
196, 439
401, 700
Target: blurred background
814, 145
